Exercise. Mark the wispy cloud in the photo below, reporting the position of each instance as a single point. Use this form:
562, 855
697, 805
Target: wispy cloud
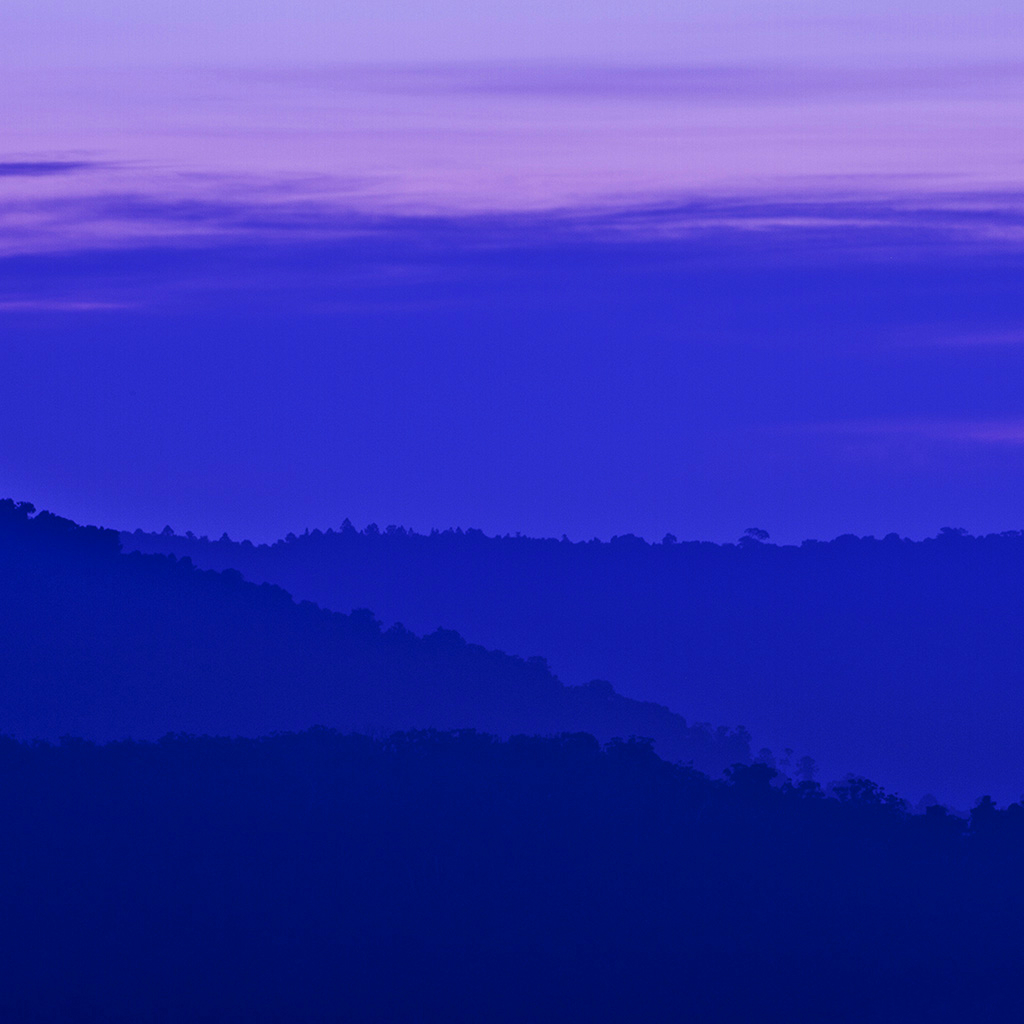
59, 306
479, 137
779, 227
706, 82
987, 432
979, 337
104, 252
42, 168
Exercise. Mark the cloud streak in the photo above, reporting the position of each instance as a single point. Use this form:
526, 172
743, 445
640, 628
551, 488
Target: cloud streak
756, 83
58, 306
42, 168
777, 227
1009, 432
109, 251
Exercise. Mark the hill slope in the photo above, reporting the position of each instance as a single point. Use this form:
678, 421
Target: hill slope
101, 644
317, 878
900, 659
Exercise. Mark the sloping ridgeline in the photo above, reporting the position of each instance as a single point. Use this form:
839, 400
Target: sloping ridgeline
317, 878
900, 659
106, 645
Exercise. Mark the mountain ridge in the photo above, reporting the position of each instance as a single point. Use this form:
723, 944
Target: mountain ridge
900, 659
106, 644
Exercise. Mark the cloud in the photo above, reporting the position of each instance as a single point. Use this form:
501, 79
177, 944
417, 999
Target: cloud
702, 82
42, 168
777, 227
58, 306
899, 273
987, 432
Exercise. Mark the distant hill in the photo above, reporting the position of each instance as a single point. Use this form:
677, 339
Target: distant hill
101, 644
903, 660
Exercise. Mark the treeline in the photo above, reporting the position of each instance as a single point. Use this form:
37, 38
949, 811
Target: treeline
107, 645
451, 877
901, 658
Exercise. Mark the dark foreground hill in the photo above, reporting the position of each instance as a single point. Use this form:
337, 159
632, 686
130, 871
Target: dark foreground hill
105, 645
314, 878
900, 659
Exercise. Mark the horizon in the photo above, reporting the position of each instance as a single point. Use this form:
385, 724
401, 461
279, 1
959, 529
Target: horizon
367, 529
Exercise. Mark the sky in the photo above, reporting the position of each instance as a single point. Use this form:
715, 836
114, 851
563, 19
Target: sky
554, 268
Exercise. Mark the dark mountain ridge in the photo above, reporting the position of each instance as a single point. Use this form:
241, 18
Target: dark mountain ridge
900, 659
105, 645
315, 878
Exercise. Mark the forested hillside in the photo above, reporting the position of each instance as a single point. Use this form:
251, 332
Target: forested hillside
315, 878
105, 645
901, 659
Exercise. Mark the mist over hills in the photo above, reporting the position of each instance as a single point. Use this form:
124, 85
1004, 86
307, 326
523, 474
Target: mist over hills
898, 659
105, 645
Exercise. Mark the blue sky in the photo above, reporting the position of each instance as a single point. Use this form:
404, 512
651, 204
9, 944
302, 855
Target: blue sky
589, 269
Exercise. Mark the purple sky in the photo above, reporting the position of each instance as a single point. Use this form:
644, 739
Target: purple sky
294, 31
554, 267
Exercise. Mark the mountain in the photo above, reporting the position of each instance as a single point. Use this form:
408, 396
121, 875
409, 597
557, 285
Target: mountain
900, 659
104, 645
431, 874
